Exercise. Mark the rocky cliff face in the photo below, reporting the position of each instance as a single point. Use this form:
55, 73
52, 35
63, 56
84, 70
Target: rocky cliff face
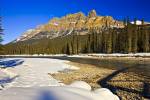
69, 23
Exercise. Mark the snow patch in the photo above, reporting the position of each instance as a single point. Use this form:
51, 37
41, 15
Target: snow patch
81, 84
34, 83
57, 93
138, 22
34, 72
85, 55
56, 24
121, 55
70, 32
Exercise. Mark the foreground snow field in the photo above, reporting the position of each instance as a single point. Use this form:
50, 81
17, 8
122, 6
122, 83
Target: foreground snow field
34, 71
28, 79
56, 93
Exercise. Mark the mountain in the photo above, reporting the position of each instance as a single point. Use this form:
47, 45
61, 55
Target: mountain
69, 24
77, 33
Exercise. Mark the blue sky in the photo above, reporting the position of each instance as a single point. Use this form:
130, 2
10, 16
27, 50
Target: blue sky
21, 15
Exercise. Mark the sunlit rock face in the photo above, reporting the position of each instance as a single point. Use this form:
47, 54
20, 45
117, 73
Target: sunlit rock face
92, 14
66, 24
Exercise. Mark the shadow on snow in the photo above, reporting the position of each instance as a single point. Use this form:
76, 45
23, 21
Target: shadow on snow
11, 63
7, 80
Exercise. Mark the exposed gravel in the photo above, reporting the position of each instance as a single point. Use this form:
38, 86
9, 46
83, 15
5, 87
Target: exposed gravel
87, 73
129, 84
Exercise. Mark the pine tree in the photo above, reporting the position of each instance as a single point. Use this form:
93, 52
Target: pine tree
129, 37
128, 21
135, 20
92, 41
142, 21
129, 42
73, 44
68, 49
109, 42
96, 42
103, 47
1, 30
77, 43
135, 39
99, 41
114, 41
146, 41
89, 44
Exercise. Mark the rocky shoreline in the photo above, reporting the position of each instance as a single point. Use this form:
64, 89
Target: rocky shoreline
127, 84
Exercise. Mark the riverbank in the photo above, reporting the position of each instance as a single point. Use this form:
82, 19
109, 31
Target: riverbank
34, 83
126, 77
29, 72
100, 55
87, 73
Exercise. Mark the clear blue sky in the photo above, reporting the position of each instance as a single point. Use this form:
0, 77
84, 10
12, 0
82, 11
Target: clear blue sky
21, 15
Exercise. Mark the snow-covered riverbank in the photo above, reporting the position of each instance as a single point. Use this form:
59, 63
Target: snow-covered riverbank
130, 55
28, 79
34, 71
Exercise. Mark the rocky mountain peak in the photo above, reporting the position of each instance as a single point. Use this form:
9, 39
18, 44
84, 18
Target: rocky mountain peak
74, 17
92, 13
71, 22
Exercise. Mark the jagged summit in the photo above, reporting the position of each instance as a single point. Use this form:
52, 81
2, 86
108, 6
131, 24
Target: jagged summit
92, 13
66, 24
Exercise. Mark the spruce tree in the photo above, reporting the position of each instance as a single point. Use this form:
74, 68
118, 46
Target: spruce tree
89, 44
125, 22
129, 37
135, 20
77, 38
73, 44
68, 49
109, 42
135, 39
93, 41
114, 41
142, 21
1, 30
96, 42
100, 46
146, 41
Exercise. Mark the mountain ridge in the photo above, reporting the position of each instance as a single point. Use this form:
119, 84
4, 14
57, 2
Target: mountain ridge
69, 23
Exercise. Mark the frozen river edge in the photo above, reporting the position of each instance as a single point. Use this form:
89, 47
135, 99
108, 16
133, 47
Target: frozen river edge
32, 78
